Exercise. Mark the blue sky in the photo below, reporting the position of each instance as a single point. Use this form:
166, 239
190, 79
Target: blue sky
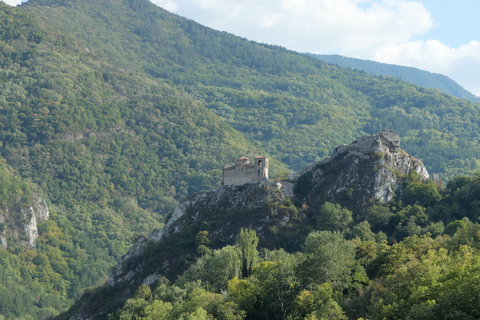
455, 22
439, 36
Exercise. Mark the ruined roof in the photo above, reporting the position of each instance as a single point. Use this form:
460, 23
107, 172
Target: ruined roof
260, 157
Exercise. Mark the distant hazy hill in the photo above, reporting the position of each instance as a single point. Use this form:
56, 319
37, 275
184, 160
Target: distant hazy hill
413, 75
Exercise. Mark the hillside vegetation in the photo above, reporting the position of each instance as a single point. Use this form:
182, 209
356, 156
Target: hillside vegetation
295, 107
416, 257
413, 75
110, 150
114, 110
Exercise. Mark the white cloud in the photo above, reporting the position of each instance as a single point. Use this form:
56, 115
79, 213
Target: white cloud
313, 25
13, 2
461, 64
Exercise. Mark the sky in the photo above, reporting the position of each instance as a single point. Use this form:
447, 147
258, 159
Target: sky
439, 36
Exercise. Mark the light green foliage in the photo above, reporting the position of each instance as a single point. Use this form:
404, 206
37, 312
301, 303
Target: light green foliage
430, 283
290, 96
111, 151
215, 270
171, 302
319, 304
243, 292
277, 285
247, 241
114, 128
330, 258
418, 278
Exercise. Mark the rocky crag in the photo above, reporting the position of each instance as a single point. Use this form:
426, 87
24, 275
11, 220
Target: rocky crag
370, 169
23, 224
356, 175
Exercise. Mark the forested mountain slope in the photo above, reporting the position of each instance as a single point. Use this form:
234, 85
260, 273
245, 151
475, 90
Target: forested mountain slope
111, 151
413, 75
295, 107
260, 253
114, 110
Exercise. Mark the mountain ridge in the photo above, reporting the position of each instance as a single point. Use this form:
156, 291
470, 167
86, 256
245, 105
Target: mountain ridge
414, 75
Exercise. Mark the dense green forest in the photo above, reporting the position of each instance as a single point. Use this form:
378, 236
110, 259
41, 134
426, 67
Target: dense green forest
111, 151
295, 107
416, 257
113, 110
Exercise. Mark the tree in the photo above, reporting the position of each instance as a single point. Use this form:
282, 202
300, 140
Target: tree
425, 194
333, 217
379, 217
319, 304
277, 286
329, 258
363, 231
215, 270
247, 241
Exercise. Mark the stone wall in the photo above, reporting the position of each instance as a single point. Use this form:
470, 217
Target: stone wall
243, 173
240, 175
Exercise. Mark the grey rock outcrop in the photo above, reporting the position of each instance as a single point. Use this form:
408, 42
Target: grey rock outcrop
356, 175
220, 204
31, 216
38, 211
221, 212
3, 239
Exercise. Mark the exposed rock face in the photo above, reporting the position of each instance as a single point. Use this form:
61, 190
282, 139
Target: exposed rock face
370, 168
32, 215
3, 242
255, 204
3, 239
39, 211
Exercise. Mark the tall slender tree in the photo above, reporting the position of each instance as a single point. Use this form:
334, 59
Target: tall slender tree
247, 241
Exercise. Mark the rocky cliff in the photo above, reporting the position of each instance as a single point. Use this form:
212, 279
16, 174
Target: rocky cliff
370, 169
20, 224
356, 175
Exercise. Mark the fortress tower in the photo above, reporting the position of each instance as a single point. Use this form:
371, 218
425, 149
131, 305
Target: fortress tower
243, 172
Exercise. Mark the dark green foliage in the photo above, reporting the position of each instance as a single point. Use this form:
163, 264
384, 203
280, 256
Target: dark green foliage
332, 217
304, 185
379, 217
112, 150
425, 194
408, 277
302, 107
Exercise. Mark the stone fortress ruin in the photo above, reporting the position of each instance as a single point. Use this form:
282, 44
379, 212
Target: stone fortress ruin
243, 172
